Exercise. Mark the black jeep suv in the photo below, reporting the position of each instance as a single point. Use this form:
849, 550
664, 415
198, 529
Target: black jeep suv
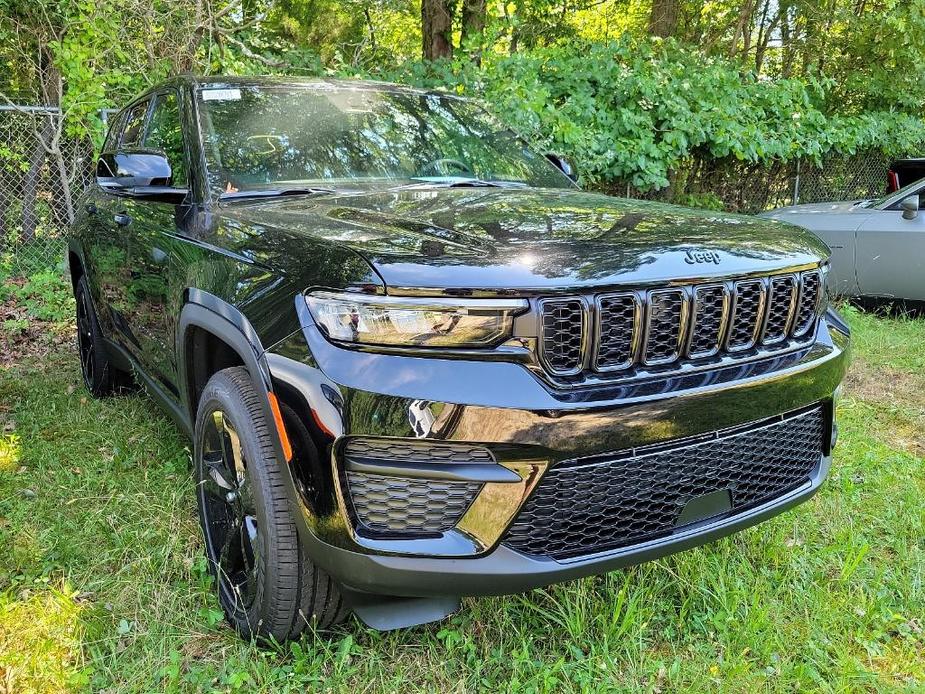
417, 362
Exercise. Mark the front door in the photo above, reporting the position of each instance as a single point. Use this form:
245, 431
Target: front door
891, 255
109, 239
152, 251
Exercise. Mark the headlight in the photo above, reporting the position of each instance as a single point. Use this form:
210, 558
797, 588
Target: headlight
412, 322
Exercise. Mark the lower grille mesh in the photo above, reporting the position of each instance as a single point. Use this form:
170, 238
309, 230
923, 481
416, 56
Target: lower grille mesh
581, 509
408, 505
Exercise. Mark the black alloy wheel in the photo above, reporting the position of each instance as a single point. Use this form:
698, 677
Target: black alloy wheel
229, 513
268, 586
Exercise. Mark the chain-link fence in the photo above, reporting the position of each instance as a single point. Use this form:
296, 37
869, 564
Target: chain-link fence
44, 174
748, 188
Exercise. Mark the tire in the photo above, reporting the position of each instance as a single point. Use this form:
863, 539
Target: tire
100, 375
267, 585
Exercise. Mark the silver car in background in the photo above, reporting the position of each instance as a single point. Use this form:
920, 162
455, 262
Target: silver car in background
878, 246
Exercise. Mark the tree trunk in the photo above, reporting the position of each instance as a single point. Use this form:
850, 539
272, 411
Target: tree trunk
473, 24
33, 178
436, 29
663, 19
6, 180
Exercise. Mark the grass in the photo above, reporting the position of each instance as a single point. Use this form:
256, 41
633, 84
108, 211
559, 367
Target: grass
103, 585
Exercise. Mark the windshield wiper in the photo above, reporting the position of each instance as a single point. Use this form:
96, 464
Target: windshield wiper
475, 183
452, 182
274, 193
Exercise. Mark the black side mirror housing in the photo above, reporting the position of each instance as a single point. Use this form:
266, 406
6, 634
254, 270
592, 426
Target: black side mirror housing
910, 207
141, 174
565, 165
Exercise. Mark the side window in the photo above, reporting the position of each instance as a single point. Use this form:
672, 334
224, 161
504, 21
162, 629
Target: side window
166, 135
115, 129
134, 126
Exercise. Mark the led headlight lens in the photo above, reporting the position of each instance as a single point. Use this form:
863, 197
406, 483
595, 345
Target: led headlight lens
413, 322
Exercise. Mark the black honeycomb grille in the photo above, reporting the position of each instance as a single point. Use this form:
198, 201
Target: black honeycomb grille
808, 303
707, 327
584, 508
663, 326
408, 505
780, 303
563, 332
616, 331
745, 315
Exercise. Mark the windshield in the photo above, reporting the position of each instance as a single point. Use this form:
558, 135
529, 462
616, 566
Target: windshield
896, 195
260, 137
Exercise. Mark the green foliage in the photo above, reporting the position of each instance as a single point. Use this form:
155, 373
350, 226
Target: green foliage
46, 296
583, 78
635, 110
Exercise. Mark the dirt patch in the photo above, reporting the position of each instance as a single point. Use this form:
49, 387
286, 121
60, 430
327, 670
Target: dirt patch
883, 384
890, 389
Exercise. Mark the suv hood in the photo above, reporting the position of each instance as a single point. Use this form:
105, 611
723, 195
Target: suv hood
494, 239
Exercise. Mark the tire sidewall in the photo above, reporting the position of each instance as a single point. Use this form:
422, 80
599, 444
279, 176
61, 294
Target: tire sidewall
100, 384
222, 394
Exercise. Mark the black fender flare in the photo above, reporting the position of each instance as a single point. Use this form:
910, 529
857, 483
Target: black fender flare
75, 248
214, 315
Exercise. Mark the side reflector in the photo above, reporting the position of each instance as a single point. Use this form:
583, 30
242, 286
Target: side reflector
280, 428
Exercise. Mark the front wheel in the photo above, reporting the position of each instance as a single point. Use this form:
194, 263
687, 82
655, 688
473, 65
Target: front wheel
268, 587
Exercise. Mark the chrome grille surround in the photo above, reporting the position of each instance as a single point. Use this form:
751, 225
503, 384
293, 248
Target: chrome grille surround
615, 333
709, 314
748, 302
564, 330
809, 302
666, 315
637, 333
782, 295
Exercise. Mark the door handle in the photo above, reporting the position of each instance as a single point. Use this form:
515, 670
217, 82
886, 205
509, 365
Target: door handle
122, 219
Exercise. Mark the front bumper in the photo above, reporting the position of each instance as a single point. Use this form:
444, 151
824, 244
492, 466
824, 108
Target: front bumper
504, 571
529, 428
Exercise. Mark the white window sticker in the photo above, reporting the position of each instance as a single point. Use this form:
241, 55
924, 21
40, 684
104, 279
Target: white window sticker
221, 94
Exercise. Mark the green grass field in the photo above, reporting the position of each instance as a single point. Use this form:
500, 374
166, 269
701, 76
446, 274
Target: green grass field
103, 585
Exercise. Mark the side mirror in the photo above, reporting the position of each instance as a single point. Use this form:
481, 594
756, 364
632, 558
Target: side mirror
141, 174
910, 207
565, 165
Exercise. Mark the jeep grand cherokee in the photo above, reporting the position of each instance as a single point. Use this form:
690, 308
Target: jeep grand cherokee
417, 362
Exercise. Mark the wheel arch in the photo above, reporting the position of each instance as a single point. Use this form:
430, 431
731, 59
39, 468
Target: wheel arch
75, 264
213, 335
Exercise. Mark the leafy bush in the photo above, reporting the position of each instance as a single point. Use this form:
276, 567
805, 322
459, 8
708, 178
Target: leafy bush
46, 296
636, 110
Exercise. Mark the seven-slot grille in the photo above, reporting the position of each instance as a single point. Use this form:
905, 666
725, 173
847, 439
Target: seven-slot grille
634, 496
663, 327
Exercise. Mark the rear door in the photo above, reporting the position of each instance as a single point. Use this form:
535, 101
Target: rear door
891, 254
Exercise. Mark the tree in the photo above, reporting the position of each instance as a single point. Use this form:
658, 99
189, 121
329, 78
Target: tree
436, 29
663, 19
474, 13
